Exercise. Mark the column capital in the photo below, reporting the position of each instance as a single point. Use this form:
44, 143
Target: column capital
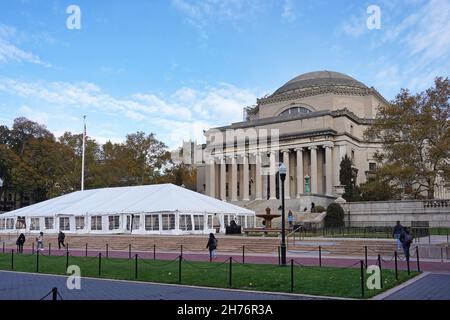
312, 148
328, 145
285, 150
299, 149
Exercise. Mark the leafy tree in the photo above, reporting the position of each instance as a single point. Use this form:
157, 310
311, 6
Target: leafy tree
347, 178
335, 216
415, 133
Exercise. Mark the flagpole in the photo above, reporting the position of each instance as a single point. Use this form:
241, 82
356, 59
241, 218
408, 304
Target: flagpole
82, 157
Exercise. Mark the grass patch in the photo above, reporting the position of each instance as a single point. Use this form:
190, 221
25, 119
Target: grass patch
325, 281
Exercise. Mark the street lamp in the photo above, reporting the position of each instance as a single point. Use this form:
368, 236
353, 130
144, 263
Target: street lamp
282, 171
1, 186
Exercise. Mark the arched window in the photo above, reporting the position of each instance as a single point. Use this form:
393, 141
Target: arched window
294, 111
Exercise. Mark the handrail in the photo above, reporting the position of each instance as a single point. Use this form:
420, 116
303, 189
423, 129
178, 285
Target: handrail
294, 231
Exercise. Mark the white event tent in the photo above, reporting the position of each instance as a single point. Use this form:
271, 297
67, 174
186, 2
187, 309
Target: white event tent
150, 209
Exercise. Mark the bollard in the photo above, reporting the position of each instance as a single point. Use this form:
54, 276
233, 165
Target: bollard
12, 259
230, 284
154, 252
243, 254
279, 256
320, 256
55, 294
396, 266
129, 251
179, 268
136, 266
365, 255
362, 278
49, 249
67, 260
86, 250
381, 273
417, 257
37, 261
292, 275
107, 251
99, 264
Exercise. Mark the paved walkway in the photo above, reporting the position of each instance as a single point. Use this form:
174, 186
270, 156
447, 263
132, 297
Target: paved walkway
28, 286
431, 287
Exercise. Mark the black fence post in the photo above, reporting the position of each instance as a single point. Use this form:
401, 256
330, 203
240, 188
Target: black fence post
86, 249
67, 260
136, 266
129, 251
32, 248
447, 235
54, 294
365, 256
179, 268
12, 259
230, 284
107, 251
99, 264
279, 256
243, 254
37, 261
292, 275
181, 251
381, 272
407, 264
49, 249
396, 266
154, 252
417, 257
67, 247
320, 256
3, 246
362, 278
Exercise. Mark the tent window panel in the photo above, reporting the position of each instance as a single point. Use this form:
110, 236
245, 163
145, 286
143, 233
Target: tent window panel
168, 221
199, 222
250, 221
21, 223
79, 223
114, 222
136, 222
185, 222
96, 223
34, 224
64, 223
128, 222
2, 224
152, 222
49, 223
210, 221
240, 220
10, 223
226, 219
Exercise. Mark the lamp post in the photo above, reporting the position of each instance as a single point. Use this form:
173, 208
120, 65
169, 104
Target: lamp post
2, 202
282, 171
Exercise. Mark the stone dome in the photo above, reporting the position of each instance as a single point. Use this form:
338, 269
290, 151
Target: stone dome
319, 79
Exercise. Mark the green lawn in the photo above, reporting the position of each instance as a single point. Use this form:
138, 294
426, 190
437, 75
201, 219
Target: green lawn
325, 281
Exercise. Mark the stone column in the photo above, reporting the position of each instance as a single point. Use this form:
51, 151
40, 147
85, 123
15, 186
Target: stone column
246, 195
212, 177
273, 170
299, 171
258, 177
287, 181
233, 179
313, 168
223, 179
328, 170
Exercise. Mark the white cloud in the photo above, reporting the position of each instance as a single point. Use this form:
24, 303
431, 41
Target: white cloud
289, 9
9, 52
355, 26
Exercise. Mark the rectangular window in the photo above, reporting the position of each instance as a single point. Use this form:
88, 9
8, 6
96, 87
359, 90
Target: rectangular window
185, 222
114, 222
34, 224
199, 222
96, 223
240, 220
64, 223
250, 221
49, 223
168, 221
79, 223
372, 166
210, 221
136, 222
2, 224
226, 219
10, 223
152, 222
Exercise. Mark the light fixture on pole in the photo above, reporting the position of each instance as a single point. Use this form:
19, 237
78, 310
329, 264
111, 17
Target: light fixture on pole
282, 171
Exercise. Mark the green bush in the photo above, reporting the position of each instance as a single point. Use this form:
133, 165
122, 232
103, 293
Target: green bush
318, 209
335, 216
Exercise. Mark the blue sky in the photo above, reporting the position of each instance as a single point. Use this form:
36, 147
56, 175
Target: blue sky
176, 67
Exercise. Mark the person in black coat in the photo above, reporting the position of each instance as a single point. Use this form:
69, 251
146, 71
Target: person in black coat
61, 237
20, 242
212, 246
398, 229
406, 239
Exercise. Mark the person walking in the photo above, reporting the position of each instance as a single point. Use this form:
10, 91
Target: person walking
398, 229
290, 219
61, 237
20, 242
406, 239
212, 246
40, 242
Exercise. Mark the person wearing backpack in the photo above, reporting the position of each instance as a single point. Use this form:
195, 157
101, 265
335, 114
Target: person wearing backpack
212, 246
398, 229
406, 239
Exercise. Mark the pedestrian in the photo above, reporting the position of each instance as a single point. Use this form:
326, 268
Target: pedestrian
406, 239
61, 237
398, 229
40, 241
290, 219
20, 242
212, 246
